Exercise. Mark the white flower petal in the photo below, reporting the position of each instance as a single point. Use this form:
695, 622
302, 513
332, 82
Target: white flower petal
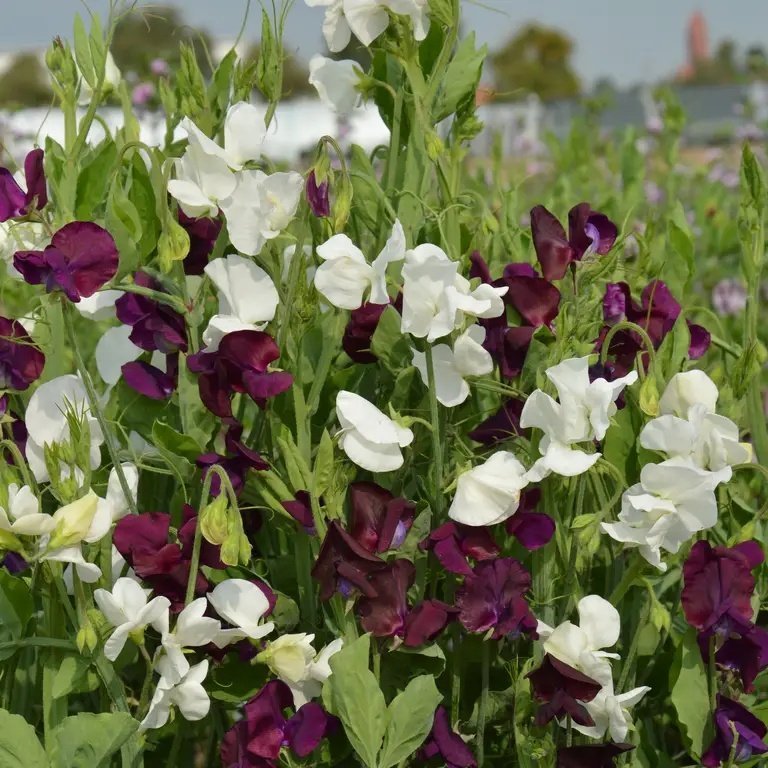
113, 350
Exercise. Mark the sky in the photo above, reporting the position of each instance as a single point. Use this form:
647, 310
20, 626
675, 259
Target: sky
628, 40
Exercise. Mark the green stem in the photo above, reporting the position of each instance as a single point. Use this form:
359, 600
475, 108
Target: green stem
95, 407
437, 443
303, 559
627, 580
194, 563
483, 706
162, 298
625, 325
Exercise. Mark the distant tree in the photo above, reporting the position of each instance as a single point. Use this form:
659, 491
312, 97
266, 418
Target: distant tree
757, 62
536, 60
721, 69
151, 33
25, 83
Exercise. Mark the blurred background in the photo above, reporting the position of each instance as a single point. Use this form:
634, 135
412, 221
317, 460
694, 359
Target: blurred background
548, 64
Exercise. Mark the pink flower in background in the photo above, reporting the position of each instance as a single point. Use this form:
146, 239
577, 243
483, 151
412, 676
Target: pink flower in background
142, 94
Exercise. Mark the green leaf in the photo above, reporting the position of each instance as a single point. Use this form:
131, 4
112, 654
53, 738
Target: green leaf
88, 741
83, 53
323, 470
93, 180
16, 608
353, 695
19, 745
172, 440
690, 693
752, 179
388, 342
123, 223
74, 674
677, 272
410, 720
461, 78
142, 196
285, 614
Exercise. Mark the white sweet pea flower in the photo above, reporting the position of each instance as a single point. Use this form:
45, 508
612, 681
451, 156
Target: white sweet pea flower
113, 350
610, 713
335, 83
243, 605
673, 501
581, 646
112, 78
187, 694
114, 506
452, 366
288, 254
47, 423
21, 236
310, 686
100, 306
582, 415
23, 516
119, 569
370, 438
192, 630
345, 276
202, 182
489, 493
368, 19
289, 656
690, 428
436, 297
127, 610
260, 207
247, 298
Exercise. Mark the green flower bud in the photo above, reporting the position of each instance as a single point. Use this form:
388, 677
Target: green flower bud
214, 521
173, 244
87, 640
649, 396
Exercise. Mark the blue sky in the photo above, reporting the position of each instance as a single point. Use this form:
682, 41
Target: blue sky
630, 40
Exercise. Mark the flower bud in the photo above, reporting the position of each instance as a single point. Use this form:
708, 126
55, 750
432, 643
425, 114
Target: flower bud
87, 640
317, 195
435, 146
73, 521
214, 520
289, 656
649, 396
173, 244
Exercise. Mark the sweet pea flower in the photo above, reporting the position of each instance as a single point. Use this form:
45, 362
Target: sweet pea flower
23, 516
689, 428
436, 297
113, 350
589, 232
452, 543
317, 672
317, 195
531, 528
192, 629
489, 493
128, 610
734, 722
335, 82
370, 438
729, 297
21, 360
367, 19
16, 201
187, 694
100, 306
610, 713
47, 424
247, 298
500, 426
260, 207
289, 656
256, 740
359, 331
453, 366
378, 520
493, 598
581, 646
242, 604
345, 276
203, 233
445, 743
112, 78
20, 235
673, 501
583, 414
81, 258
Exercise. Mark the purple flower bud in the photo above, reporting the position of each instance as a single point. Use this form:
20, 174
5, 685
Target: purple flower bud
317, 196
615, 302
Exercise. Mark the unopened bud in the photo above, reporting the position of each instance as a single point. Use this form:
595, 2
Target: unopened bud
173, 244
214, 521
87, 640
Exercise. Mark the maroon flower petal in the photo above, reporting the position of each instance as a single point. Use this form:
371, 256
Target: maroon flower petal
700, 341
426, 621
384, 614
504, 424
35, 176
532, 529
317, 196
549, 241
148, 380
307, 728
13, 201
536, 300
249, 350
91, 255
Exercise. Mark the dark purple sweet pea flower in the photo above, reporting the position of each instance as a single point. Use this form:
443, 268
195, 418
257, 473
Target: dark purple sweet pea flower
615, 301
444, 743
718, 585
508, 346
343, 565
237, 462
750, 733
387, 614
12, 428
155, 326
81, 258
14, 201
701, 339
317, 196
532, 529
493, 597
240, 364
14, 563
21, 361
300, 509
255, 741
503, 425
148, 380
362, 324
589, 232
378, 520
745, 653
143, 541
535, 299
452, 543
591, 755
563, 691
203, 233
